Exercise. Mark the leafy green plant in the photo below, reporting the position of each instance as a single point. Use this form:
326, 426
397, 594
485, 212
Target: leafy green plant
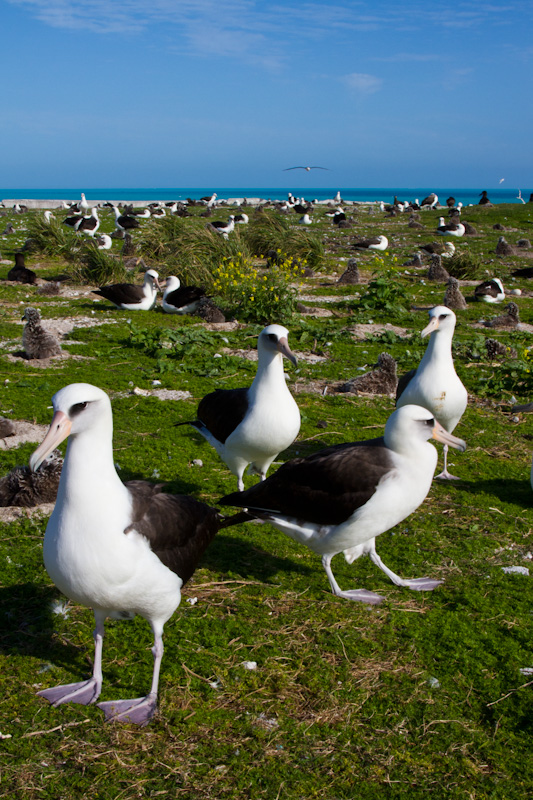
385, 293
258, 295
267, 231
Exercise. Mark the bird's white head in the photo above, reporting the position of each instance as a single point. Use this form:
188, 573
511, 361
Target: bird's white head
172, 283
410, 424
78, 407
274, 339
441, 318
152, 277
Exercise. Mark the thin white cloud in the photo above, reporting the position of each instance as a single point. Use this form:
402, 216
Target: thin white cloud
363, 83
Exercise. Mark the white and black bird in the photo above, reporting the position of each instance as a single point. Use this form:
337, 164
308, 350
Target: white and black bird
131, 296
119, 549
223, 228
241, 219
90, 224
253, 425
450, 228
104, 241
178, 299
36, 341
490, 291
430, 201
434, 384
73, 221
125, 222
339, 499
372, 243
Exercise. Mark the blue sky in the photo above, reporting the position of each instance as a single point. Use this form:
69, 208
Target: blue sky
172, 93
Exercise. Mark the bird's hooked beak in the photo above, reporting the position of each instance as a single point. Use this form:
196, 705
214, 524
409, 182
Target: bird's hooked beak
57, 432
285, 350
442, 435
432, 326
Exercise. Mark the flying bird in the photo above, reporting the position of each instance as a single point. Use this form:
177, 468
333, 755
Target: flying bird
307, 169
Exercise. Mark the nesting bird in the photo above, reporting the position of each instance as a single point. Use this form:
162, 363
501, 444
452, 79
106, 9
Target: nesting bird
130, 296
253, 425
341, 498
223, 228
510, 319
119, 549
24, 488
178, 299
350, 275
383, 379
453, 297
503, 248
434, 384
450, 228
490, 291
20, 271
36, 341
372, 243
436, 271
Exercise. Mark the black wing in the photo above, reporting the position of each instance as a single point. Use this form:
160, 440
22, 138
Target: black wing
185, 295
325, 488
121, 293
403, 381
222, 410
178, 527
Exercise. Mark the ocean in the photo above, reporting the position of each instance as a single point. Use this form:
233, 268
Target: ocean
133, 195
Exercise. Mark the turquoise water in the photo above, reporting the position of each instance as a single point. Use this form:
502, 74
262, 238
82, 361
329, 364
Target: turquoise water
500, 195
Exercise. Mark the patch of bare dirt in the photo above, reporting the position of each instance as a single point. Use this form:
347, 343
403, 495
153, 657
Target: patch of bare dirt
24, 432
362, 330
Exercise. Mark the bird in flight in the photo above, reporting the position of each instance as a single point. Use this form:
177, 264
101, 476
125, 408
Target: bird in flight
307, 169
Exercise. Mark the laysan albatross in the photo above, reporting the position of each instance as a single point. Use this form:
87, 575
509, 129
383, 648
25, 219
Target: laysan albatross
434, 384
253, 425
178, 299
341, 498
119, 549
130, 296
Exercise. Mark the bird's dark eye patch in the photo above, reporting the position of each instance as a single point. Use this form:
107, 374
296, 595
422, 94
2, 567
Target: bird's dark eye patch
77, 408
443, 316
272, 337
430, 422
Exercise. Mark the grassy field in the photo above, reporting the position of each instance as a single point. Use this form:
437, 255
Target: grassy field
428, 694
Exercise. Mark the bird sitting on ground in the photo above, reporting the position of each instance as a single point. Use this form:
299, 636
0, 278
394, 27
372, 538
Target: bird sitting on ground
510, 320
24, 488
130, 296
350, 275
453, 297
253, 425
372, 243
178, 299
222, 228
119, 549
37, 342
341, 498
490, 291
434, 384
20, 271
383, 379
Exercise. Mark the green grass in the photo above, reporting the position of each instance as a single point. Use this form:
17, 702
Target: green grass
421, 696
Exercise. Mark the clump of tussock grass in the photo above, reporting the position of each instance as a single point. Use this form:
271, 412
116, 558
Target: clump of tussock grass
192, 252
52, 238
96, 266
466, 266
268, 232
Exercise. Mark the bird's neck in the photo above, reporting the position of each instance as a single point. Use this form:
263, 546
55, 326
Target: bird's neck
439, 347
269, 371
88, 471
